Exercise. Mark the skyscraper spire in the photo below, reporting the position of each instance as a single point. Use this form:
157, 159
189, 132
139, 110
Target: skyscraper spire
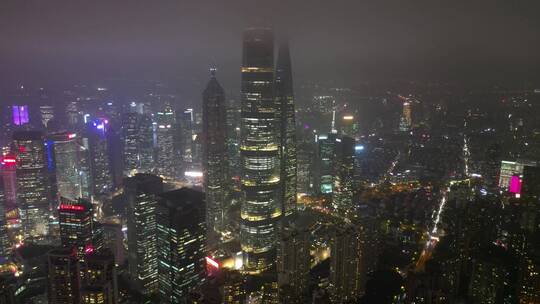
284, 97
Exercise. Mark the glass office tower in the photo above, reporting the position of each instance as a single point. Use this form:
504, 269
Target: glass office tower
259, 148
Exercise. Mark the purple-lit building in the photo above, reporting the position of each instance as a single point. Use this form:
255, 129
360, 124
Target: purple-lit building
20, 115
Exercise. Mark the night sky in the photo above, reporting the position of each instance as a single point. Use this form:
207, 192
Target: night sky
348, 41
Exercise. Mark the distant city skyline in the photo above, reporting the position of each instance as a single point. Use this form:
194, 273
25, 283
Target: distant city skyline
339, 152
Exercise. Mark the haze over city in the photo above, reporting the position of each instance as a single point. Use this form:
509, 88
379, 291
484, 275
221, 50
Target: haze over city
252, 152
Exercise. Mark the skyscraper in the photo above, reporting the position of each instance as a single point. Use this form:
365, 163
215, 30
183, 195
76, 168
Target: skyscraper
8, 168
186, 124
46, 113
325, 163
141, 193
233, 146
259, 147
215, 154
77, 228
345, 264
32, 182
4, 239
20, 115
101, 172
349, 126
138, 144
71, 165
165, 141
294, 260
342, 194
145, 144
283, 93
63, 277
99, 279
181, 238
130, 140
405, 122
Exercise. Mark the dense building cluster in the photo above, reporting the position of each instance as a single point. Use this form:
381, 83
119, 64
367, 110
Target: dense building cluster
312, 193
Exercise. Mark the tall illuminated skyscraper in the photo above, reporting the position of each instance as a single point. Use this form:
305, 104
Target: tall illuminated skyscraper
325, 163
405, 122
78, 230
214, 154
186, 124
259, 147
64, 277
342, 194
8, 169
71, 165
32, 182
165, 141
137, 134
99, 279
99, 157
181, 243
141, 193
4, 239
145, 144
283, 86
345, 264
130, 141
233, 147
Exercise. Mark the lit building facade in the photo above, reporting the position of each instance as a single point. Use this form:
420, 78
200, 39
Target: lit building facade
71, 165
138, 143
8, 168
306, 155
349, 126
77, 227
130, 141
345, 264
165, 141
186, 134
141, 193
5, 247
64, 278
233, 144
512, 168
181, 239
20, 115
32, 183
259, 150
47, 114
99, 279
283, 90
102, 182
342, 194
294, 264
325, 163
215, 155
